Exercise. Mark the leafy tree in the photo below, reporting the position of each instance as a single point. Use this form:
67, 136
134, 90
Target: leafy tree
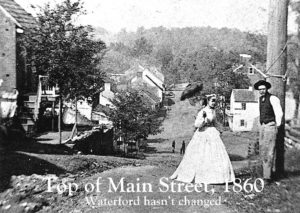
164, 56
141, 47
211, 66
134, 116
191, 53
294, 70
294, 59
115, 61
256, 46
64, 51
224, 78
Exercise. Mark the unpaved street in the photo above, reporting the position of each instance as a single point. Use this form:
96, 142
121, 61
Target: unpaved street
159, 164
148, 201
104, 173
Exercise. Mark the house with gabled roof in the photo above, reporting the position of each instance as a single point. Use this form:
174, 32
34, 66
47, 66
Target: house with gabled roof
157, 73
15, 71
253, 71
150, 97
147, 80
17, 14
149, 75
243, 114
14, 20
106, 94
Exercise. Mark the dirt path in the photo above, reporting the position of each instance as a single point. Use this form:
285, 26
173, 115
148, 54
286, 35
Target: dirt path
150, 201
159, 164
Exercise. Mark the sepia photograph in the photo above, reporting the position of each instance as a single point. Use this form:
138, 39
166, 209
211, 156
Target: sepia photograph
150, 106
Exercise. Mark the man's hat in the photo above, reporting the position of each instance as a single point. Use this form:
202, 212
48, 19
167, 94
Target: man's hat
262, 82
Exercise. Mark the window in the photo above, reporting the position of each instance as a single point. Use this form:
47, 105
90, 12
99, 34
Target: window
242, 123
140, 74
243, 106
250, 71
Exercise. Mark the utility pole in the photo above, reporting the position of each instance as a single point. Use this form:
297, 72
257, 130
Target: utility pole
277, 66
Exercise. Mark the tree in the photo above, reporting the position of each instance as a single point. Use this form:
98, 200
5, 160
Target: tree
115, 61
134, 116
211, 66
66, 52
294, 58
294, 70
183, 54
256, 46
141, 47
164, 56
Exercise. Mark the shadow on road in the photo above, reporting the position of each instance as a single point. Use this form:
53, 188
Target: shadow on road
13, 138
149, 150
45, 139
14, 163
234, 157
293, 173
167, 152
169, 102
33, 146
157, 140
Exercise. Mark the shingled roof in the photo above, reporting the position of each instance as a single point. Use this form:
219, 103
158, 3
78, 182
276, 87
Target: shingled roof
21, 18
150, 94
245, 95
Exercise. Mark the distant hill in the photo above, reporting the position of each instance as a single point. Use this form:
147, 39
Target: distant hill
195, 37
189, 37
189, 53
104, 35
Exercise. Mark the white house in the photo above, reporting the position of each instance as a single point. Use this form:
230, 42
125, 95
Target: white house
84, 108
244, 110
152, 77
253, 71
101, 117
154, 81
106, 95
157, 73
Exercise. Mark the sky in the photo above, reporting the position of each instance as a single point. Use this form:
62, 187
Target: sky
114, 15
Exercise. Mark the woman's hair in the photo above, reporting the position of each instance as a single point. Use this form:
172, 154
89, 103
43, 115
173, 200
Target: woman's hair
206, 99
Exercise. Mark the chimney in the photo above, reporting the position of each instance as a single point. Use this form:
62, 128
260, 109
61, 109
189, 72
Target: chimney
107, 86
139, 74
245, 58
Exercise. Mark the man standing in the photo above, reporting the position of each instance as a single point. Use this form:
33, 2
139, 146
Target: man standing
173, 146
270, 119
182, 150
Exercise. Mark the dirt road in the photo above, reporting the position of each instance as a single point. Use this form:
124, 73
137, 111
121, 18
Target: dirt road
153, 199
158, 194
116, 184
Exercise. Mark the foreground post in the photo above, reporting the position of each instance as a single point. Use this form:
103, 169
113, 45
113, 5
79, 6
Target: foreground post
53, 116
277, 66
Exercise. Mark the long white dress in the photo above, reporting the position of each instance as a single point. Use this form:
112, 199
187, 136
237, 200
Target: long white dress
206, 159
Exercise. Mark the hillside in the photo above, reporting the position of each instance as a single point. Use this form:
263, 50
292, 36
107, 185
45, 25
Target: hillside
182, 54
179, 121
192, 38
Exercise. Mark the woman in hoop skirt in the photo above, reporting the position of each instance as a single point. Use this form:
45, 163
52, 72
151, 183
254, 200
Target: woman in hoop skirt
206, 159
